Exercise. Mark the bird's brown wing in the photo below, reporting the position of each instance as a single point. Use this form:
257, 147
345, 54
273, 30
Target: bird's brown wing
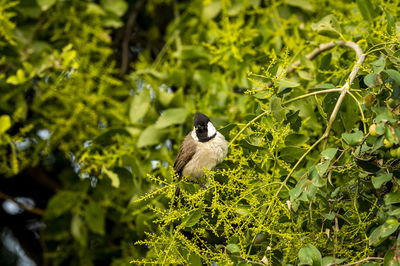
186, 152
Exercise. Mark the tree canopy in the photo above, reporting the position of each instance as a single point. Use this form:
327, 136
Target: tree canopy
96, 97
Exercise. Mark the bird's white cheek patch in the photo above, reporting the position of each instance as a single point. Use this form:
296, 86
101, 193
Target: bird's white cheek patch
210, 130
194, 136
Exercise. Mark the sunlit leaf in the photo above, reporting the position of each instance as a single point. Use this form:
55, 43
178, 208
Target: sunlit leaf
303, 4
139, 106
380, 179
276, 108
353, 139
328, 26
95, 217
113, 176
310, 255
367, 9
233, 248
171, 117
62, 202
150, 136
5, 123
78, 230
45, 4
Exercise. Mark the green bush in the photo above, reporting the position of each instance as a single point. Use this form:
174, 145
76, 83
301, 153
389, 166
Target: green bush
293, 85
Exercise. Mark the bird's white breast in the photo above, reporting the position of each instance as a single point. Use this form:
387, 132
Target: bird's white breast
208, 155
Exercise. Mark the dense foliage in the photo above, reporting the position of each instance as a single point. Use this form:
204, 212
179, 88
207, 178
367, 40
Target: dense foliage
305, 91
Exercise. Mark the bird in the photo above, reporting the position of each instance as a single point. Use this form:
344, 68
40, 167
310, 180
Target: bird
203, 147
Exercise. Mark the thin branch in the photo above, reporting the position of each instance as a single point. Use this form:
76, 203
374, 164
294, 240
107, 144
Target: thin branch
363, 260
321, 48
127, 36
361, 111
345, 88
247, 260
247, 125
311, 94
22, 206
343, 91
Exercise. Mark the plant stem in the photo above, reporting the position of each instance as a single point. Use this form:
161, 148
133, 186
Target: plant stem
246, 126
363, 260
343, 91
311, 94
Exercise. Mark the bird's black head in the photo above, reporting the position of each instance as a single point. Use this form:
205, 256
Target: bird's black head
205, 130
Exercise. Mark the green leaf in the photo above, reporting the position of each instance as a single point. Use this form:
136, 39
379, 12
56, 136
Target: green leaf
78, 230
246, 145
303, 4
325, 86
390, 135
395, 212
95, 217
291, 154
389, 227
284, 83
391, 259
139, 106
327, 26
391, 198
329, 261
394, 74
105, 137
171, 117
113, 176
316, 176
295, 192
226, 129
61, 202
353, 139
296, 139
5, 123
378, 65
191, 52
193, 218
117, 7
391, 23
374, 238
45, 4
195, 260
211, 10
380, 179
150, 136
367, 9
329, 153
380, 233
310, 255
322, 167
370, 79
328, 216
276, 108
233, 248
382, 116
165, 98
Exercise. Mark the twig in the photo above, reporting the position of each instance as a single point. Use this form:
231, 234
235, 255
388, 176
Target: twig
23, 206
247, 125
343, 91
311, 94
363, 260
321, 48
345, 88
247, 260
336, 231
127, 36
